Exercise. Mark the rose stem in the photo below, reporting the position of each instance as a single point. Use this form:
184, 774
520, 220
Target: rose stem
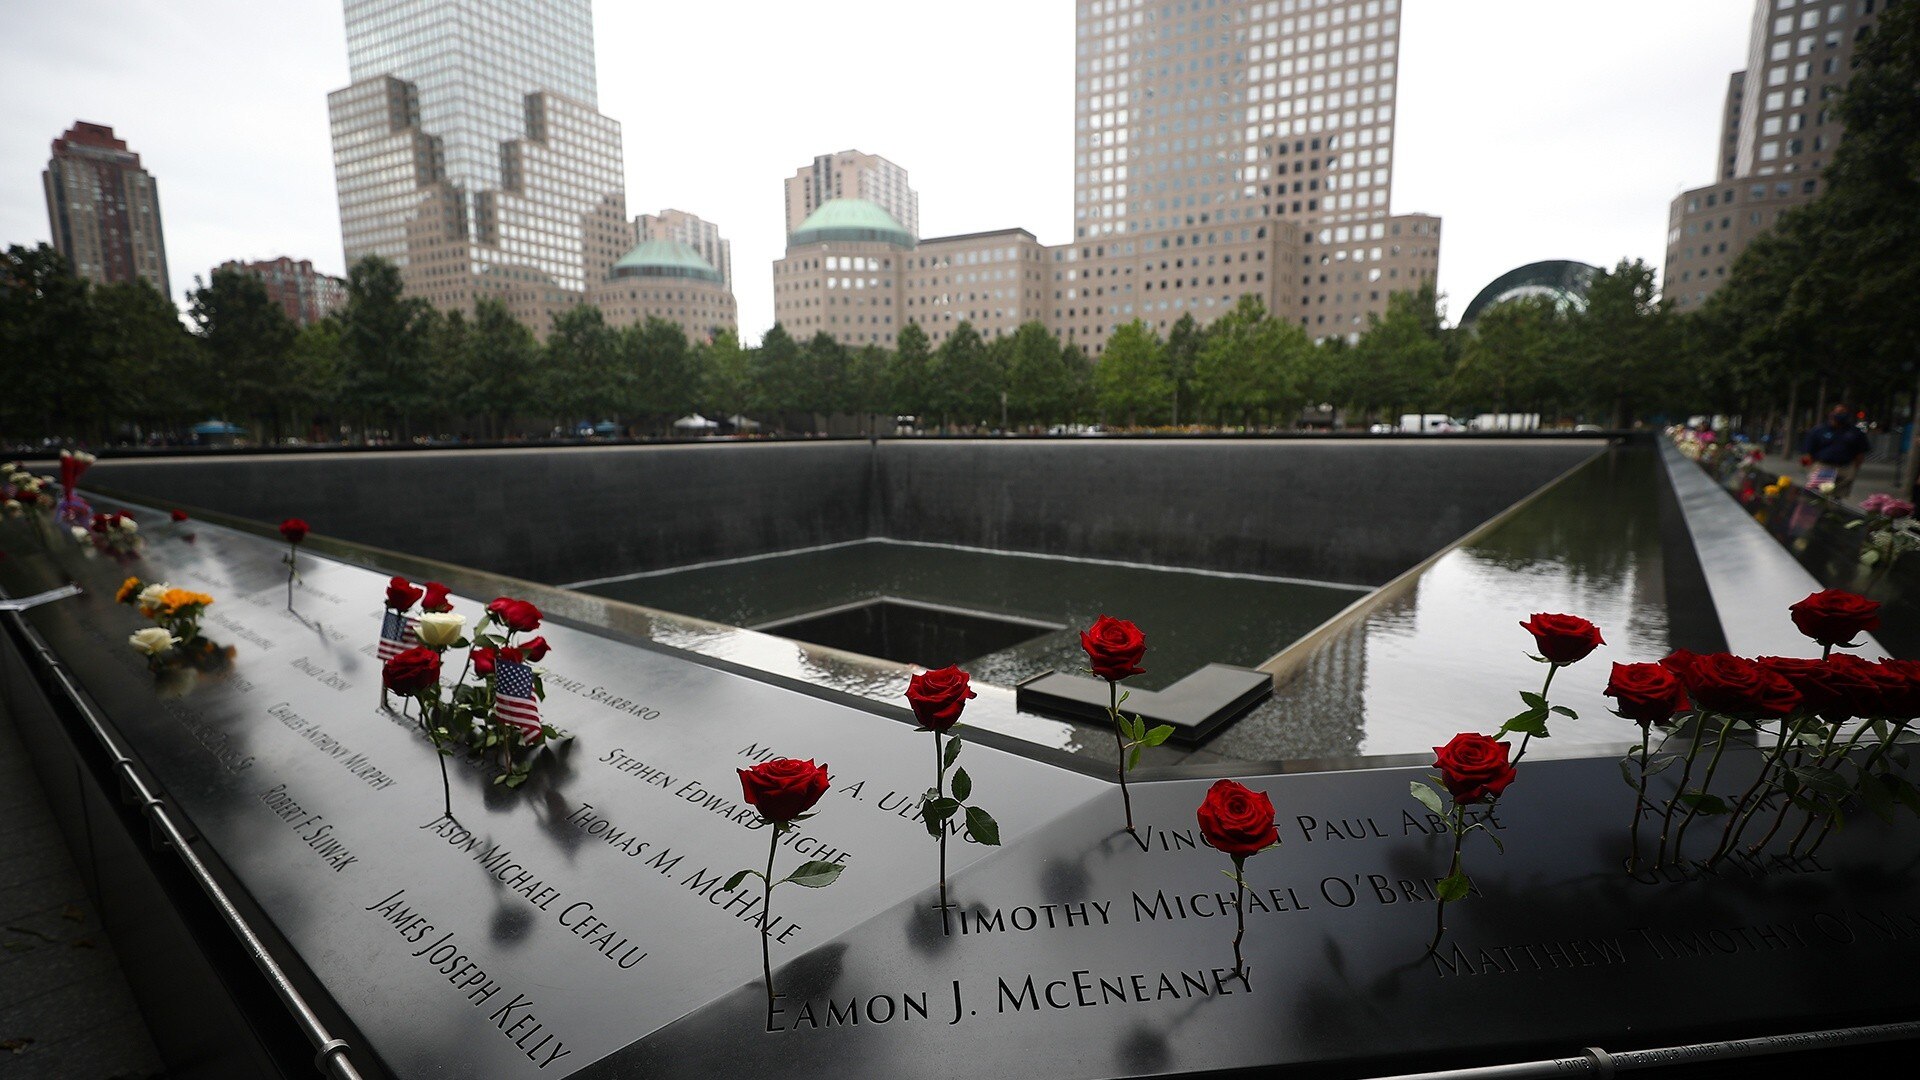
1743, 813
766, 913
1524, 739
1866, 774
1640, 798
1113, 711
1865, 779
1719, 747
1786, 806
1440, 911
940, 792
1239, 913
1686, 773
293, 556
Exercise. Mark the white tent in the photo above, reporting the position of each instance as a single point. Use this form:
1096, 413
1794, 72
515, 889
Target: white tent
695, 422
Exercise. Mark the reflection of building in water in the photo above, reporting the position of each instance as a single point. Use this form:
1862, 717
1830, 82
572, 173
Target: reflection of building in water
469, 151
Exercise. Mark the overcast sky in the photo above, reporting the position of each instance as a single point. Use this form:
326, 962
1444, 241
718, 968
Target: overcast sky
1537, 129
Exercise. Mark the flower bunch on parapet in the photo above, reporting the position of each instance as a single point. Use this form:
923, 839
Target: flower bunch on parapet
26, 496
938, 698
1890, 534
1828, 728
174, 638
496, 715
1475, 769
72, 510
115, 534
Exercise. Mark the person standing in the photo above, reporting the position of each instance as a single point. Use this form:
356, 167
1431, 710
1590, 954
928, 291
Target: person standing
1833, 453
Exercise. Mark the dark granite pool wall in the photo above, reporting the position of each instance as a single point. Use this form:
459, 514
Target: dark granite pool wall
1351, 510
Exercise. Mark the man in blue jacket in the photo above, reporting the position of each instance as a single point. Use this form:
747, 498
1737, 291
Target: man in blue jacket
1834, 451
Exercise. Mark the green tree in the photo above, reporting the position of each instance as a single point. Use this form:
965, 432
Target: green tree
967, 378
53, 374
727, 377
1252, 365
912, 374
1184, 342
1624, 343
1130, 380
246, 337
823, 378
1511, 359
384, 344
781, 378
1040, 387
1401, 358
669, 385
502, 370
150, 355
586, 379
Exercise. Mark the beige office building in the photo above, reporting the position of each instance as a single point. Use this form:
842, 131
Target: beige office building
993, 280
689, 229
470, 151
667, 279
851, 174
841, 275
104, 209
1778, 130
1212, 140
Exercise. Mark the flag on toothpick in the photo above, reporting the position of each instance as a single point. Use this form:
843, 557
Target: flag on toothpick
396, 635
513, 701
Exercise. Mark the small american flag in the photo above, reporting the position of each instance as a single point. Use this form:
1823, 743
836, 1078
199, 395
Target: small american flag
396, 635
513, 702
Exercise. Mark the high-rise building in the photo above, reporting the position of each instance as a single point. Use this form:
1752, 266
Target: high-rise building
469, 150
851, 174
305, 294
684, 228
104, 209
1778, 130
1243, 138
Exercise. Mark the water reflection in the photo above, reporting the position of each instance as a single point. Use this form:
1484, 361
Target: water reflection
1446, 653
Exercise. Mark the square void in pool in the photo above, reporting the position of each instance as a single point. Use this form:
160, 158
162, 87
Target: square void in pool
913, 632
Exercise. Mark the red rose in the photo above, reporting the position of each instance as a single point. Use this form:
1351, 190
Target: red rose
1821, 689
1563, 639
1646, 693
509, 654
516, 615
938, 697
435, 597
1474, 767
1833, 616
785, 788
1899, 689
179, 515
1733, 685
412, 672
401, 594
1237, 820
534, 648
1859, 685
483, 660
1115, 647
295, 530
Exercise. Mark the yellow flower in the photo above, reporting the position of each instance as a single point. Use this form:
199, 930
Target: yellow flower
129, 589
175, 599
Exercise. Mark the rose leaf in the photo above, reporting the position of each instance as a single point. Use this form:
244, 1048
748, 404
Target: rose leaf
1428, 797
962, 784
982, 828
1158, 735
734, 881
1534, 701
1453, 887
953, 751
1566, 712
815, 875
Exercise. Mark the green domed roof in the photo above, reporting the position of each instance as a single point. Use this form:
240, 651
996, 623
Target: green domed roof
850, 220
665, 258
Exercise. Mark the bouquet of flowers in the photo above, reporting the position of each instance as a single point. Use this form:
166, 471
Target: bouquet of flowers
174, 638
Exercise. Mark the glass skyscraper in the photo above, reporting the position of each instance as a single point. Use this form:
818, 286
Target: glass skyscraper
469, 150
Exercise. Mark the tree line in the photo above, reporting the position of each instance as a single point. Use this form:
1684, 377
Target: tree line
1818, 308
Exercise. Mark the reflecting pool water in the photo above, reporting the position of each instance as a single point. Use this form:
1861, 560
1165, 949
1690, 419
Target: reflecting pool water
1444, 652
1190, 619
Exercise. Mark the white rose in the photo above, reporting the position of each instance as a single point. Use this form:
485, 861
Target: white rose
79, 533
153, 641
151, 595
439, 629
129, 525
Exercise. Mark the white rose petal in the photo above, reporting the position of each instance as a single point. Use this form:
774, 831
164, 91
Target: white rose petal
439, 629
152, 594
153, 640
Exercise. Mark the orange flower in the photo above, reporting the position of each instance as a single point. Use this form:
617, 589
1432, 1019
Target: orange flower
175, 599
129, 589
